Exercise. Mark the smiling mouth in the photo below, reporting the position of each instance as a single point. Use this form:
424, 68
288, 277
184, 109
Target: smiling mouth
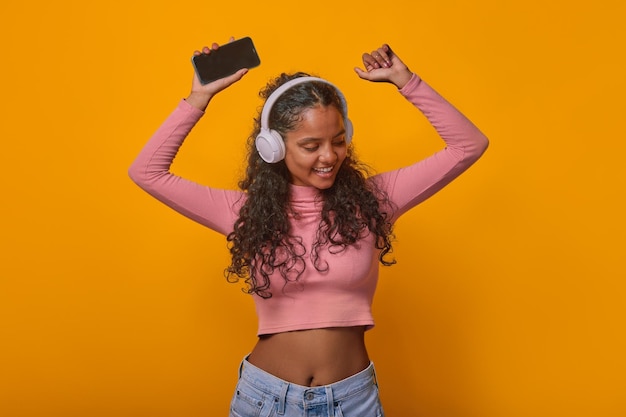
323, 170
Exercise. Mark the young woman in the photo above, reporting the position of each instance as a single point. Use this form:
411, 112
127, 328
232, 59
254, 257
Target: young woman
308, 229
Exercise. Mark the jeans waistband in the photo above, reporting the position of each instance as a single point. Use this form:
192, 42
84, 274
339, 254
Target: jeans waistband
287, 392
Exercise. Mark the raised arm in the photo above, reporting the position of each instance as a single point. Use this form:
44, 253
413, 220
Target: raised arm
465, 143
214, 208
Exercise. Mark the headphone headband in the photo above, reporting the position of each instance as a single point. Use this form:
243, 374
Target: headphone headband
269, 143
269, 103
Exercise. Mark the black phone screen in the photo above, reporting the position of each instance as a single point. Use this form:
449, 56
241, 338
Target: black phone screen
228, 59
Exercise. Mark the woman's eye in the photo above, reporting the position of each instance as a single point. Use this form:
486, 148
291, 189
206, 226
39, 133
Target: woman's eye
311, 148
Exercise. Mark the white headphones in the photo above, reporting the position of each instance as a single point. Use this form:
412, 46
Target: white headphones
269, 143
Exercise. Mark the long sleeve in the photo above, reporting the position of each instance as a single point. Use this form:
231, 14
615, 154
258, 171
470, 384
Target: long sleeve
411, 185
211, 207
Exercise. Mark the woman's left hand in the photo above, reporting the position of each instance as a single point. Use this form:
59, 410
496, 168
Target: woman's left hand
383, 65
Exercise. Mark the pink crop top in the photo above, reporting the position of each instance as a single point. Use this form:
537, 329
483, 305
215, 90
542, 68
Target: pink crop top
341, 296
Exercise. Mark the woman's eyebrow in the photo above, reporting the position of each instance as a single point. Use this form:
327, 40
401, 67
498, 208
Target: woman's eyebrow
315, 139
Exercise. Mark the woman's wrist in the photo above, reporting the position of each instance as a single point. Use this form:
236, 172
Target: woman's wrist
401, 79
199, 100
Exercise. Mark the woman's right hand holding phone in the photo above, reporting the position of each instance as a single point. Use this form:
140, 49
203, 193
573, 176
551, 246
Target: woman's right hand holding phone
201, 95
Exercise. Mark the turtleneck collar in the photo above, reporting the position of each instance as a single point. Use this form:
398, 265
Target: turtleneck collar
305, 197
303, 192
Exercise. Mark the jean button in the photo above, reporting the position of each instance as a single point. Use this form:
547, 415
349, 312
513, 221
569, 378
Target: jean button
309, 396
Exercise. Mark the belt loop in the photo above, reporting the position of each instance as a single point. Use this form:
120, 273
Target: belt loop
330, 401
240, 371
374, 378
283, 398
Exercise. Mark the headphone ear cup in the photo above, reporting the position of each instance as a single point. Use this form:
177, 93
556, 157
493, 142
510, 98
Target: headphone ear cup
270, 146
349, 130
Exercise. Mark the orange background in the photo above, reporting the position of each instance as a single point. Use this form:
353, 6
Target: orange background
509, 295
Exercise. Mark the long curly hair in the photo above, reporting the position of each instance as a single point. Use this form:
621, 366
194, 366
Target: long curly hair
261, 241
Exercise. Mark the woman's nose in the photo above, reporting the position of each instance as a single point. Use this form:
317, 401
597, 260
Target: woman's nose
327, 154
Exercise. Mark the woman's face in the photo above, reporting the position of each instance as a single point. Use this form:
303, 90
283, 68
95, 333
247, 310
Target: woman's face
316, 148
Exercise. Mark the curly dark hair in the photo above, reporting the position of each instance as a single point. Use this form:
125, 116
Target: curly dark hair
261, 241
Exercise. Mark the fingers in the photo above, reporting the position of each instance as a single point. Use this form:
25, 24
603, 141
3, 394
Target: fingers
383, 65
379, 58
214, 47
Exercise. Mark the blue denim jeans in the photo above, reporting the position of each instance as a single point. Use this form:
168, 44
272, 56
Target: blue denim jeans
260, 394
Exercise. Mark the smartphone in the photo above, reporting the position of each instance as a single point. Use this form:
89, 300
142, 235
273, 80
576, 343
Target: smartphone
227, 60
